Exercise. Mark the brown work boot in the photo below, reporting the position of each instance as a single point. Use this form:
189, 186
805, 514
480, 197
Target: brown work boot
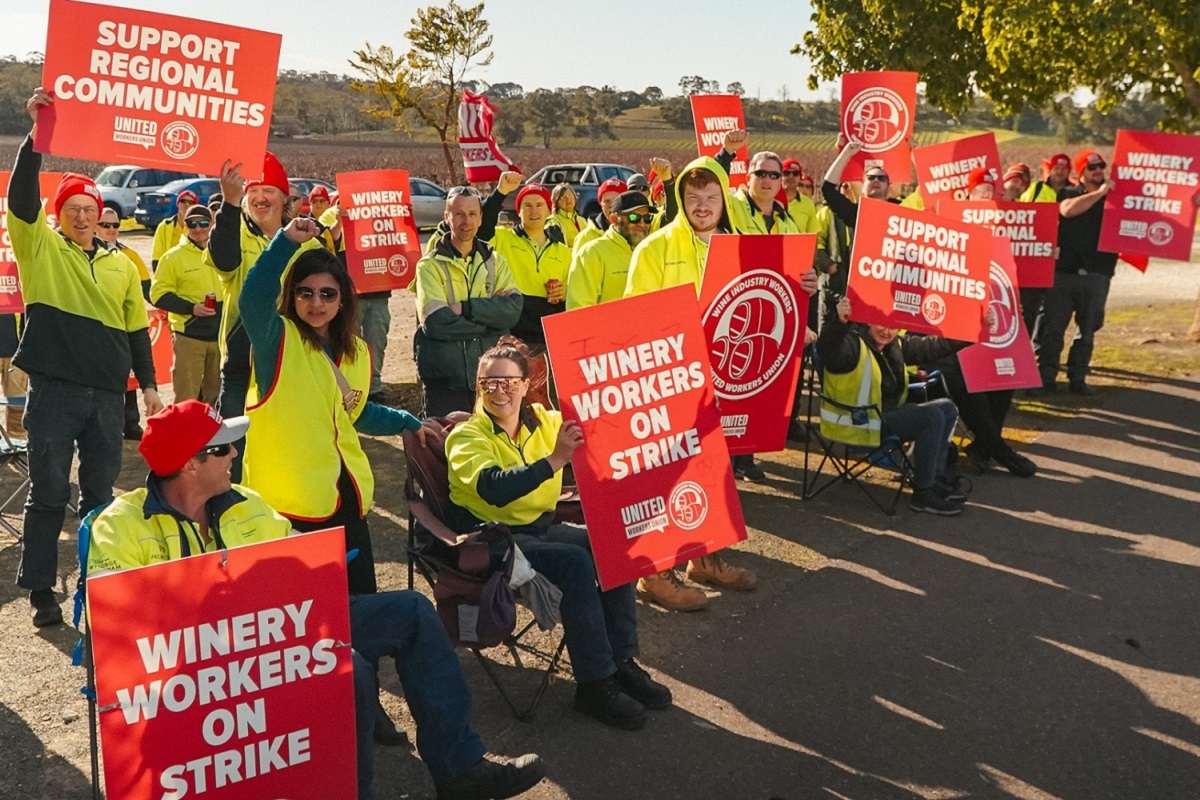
716, 571
668, 591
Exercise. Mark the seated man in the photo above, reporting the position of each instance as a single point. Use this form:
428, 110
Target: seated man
871, 357
188, 502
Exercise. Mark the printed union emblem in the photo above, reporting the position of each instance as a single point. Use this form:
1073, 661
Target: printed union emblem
179, 139
1160, 233
688, 505
398, 265
933, 308
1003, 301
878, 118
752, 327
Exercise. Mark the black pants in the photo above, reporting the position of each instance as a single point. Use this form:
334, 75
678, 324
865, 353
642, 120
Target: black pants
133, 415
1031, 312
360, 572
983, 412
1083, 297
440, 402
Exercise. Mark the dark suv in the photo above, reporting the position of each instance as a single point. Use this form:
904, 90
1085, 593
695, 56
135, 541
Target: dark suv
585, 179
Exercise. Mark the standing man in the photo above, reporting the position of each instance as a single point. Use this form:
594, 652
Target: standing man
1057, 169
187, 289
755, 207
109, 229
466, 300
606, 195
172, 230
85, 328
1082, 275
798, 189
600, 269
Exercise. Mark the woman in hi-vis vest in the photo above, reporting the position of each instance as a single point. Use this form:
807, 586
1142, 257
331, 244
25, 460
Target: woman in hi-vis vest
308, 396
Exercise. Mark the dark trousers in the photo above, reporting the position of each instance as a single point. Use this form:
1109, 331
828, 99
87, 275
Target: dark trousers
360, 572
928, 426
60, 418
133, 415
1084, 297
404, 626
1031, 312
233, 404
983, 412
440, 402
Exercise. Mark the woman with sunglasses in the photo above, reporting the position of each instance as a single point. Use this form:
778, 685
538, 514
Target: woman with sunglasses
308, 395
505, 465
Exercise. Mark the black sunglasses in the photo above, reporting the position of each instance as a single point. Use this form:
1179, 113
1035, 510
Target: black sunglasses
877, 176
218, 450
768, 174
1101, 165
110, 225
326, 293
791, 172
198, 223
635, 217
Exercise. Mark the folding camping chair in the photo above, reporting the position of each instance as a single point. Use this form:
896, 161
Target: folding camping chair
13, 452
436, 551
82, 656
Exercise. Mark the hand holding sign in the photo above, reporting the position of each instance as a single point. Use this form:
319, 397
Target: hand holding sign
233, 184
41, 98
570, 437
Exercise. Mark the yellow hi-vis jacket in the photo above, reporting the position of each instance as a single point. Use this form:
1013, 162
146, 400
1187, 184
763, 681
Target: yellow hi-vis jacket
531, 266
182, 272
302, 434
803, 212
674, 255
599, 271
570, 224
480, 444
168, 234
863, 390
590, 233
747, 218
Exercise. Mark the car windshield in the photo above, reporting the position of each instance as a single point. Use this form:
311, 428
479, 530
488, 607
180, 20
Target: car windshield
614, 172
112, 176
557, 175
175, 187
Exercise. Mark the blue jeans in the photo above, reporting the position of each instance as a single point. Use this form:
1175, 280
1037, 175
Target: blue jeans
374, 320
600, 628
404, 626
928, 426
60, 417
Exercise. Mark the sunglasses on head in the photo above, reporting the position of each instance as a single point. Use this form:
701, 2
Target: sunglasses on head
455, 191
507, 384
326, 293
635, 217
218, 450
767, 174
877, 176
110, 225
198, 223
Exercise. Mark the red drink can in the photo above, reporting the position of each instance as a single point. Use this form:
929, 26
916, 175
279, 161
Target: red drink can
210, 301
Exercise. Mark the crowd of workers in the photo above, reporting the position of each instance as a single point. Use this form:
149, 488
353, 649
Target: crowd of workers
269, 330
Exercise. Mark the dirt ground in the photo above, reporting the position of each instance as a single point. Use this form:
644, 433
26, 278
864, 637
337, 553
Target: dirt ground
761, 679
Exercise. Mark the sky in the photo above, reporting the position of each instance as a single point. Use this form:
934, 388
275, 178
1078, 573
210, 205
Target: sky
627, 44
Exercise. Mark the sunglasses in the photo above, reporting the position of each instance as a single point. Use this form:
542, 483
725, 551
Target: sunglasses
1100, 165
218, 450
635, 218
877, 176
326, 293
791, 172
455, 191
198, 223
767, 174
185, 202
508, 385
110, 225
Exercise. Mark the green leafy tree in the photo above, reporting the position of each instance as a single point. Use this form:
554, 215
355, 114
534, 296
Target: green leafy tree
425, 83
548, 112
653, 95
510, 119
694, 84
735, 88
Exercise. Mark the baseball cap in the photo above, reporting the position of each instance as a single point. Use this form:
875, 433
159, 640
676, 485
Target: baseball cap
182, 430
792, 165
628, 201
187, 194
198, 212
637, 181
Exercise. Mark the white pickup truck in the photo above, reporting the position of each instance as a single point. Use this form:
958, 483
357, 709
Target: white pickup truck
121, 185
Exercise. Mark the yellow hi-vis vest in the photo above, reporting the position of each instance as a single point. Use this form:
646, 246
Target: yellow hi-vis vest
301, 433
862, 389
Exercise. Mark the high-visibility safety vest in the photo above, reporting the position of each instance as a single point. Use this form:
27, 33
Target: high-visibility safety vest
861, 389
301, 433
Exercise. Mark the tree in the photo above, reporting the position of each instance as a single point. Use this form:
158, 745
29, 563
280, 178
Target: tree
504, 91
694, 84
653, 95
510, 120
593, 111
735, 88
426, 81
548, 111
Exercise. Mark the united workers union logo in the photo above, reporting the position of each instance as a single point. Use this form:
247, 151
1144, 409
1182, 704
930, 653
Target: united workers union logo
688, 505
878, 118
179, 139
1160, 233
1003, 302
157, 325
752, 327
398, 265
933, 309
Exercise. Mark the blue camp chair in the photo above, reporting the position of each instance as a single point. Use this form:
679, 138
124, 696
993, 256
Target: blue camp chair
82, 655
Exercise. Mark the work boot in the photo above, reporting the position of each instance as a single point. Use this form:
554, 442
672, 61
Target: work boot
930, 502
716, 571
1080, 388
746, 468
638, 684
488, 780
668, 591
44, 608
607, 701
1017, 464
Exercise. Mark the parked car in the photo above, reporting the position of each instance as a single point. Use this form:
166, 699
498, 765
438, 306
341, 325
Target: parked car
585, 179
154, 207
428, 203
121, 185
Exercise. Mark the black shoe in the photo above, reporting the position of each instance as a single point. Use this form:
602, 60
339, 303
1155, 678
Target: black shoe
133, 433
929, 501
744, 467
1017, 464
978, 457
1042, 391
386, 733
638, 684
607, 701
953, 489
44, 608
377, 398
492, 780
1080, 388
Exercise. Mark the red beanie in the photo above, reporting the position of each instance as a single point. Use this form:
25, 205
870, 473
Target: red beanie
980, 176
273, 175
611, 185
537, 189
1017, 170
318, 191
1049, 163
1086, 158
73, 183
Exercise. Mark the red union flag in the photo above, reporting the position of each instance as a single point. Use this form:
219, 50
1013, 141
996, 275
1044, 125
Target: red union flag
878, 110
1004, 358
654, 473
715, 115
754, 318
139, 87
918, 271
1031, 227
943, 168
382, 248
482, 158
240, 687
11, 300
1150, 209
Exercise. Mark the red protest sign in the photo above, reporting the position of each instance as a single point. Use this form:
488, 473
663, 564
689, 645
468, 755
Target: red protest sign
382, 248
240, 687
11, 300
943, 168
1004, 358
162, 348
715, 115
918, 271
1150, 209
1031, 227
654, 473
754, 318
878, 109
139, 87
